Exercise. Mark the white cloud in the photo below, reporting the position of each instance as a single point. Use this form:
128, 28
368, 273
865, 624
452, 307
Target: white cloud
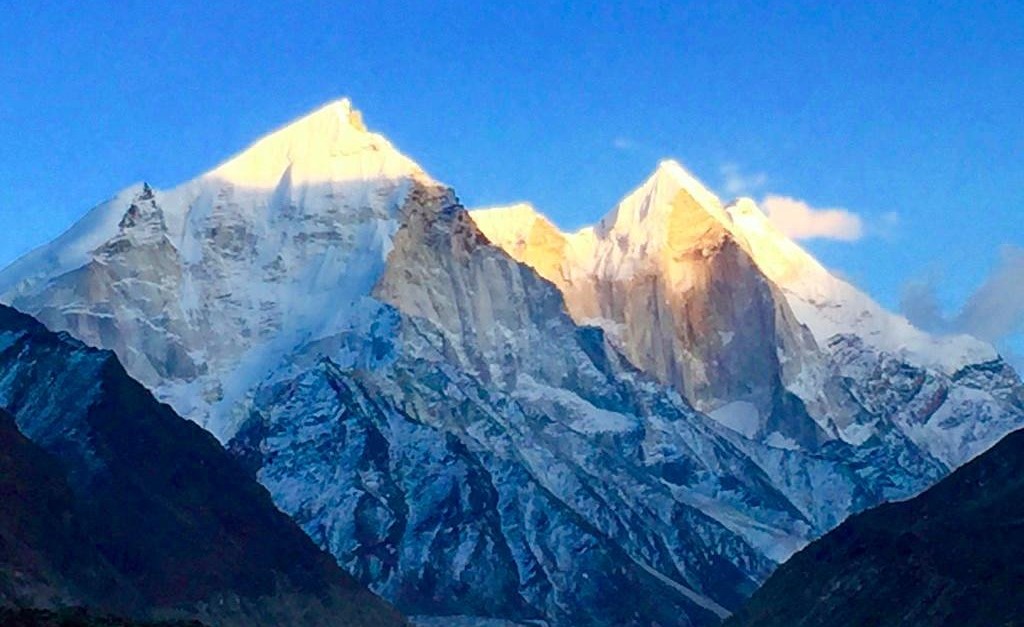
799, 220
994, 312
737, 183
996, 309
920, 305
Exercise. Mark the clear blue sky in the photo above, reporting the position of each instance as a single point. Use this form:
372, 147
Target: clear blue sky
909, 107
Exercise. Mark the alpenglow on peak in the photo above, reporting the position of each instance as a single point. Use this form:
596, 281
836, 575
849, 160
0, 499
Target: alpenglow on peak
331, 144
413, 395
645, 212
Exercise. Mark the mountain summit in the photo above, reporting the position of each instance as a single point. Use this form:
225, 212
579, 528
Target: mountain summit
330, 144
489, 418
670, 193
713, 300
667, 277
276, 243
325, 154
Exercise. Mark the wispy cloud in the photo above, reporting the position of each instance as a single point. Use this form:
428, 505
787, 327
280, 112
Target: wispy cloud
994, 312
996, 309
887, 225
920, 305
735, 182
799, 220
625, 144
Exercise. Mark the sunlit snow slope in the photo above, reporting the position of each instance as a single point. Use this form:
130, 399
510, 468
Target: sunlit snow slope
715, 301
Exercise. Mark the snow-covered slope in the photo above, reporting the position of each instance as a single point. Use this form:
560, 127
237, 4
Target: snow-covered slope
831, 306
713, 300
200, 289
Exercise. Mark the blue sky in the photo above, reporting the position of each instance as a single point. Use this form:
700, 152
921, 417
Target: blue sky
908, 115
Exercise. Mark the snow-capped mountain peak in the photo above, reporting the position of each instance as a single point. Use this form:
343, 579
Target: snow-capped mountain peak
670, 191
413, 395
327, 163
669, 201
671, 172
330, 144
278, 244
704, 295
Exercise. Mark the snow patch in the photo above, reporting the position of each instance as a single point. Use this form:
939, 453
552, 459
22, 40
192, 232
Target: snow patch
777, 440
582, 416
740, 416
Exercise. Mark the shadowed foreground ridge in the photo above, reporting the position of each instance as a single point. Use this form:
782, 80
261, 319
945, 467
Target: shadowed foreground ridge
78, 617
113, 502
951, 556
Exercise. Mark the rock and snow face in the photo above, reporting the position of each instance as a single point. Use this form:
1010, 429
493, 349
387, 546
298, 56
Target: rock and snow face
201, 289
677, 291
113, 502
830, 306
417, 400
426, 407
713, 300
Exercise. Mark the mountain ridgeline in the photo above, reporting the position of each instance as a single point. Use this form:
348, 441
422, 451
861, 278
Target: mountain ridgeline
952, 556
114, 503
482, 417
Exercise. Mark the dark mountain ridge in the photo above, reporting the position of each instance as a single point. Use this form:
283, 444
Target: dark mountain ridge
953, 555
112, 501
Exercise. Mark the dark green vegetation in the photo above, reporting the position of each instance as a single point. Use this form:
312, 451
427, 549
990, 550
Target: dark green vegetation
952, 556
113, 502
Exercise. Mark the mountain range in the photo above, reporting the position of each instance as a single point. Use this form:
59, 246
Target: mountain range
483, 417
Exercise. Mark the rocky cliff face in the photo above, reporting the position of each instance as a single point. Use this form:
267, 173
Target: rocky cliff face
432, 411
113, 502
713, 301
514, 452
680, 295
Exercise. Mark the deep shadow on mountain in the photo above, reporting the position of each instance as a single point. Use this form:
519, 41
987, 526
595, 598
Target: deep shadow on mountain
78, 617
952, 556
112, 501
